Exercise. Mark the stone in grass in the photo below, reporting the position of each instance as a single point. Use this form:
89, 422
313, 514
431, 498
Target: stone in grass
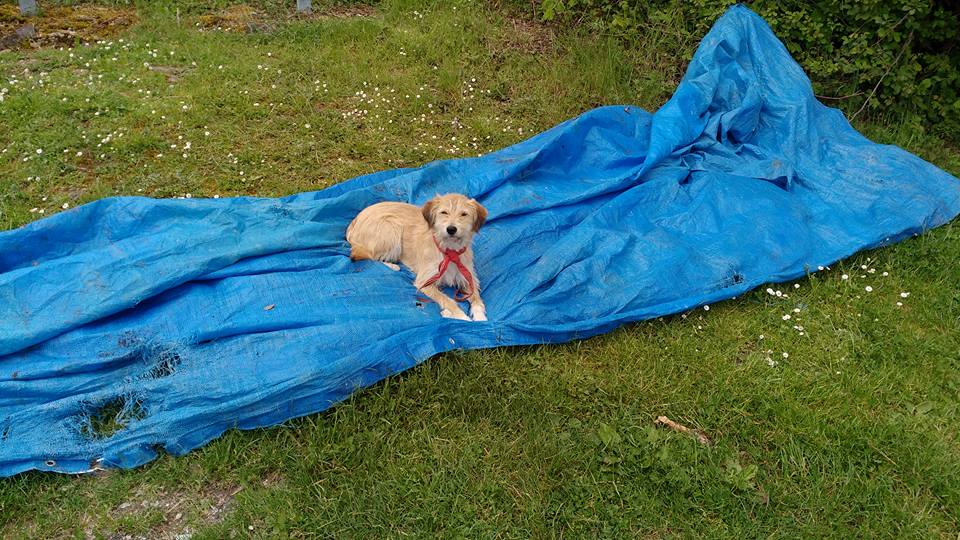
28, 7
25, 32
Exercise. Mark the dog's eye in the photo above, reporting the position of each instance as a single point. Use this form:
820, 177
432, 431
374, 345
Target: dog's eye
464, 214
443, 212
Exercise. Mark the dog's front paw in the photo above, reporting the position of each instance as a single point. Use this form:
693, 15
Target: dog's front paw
447, 314
479, 313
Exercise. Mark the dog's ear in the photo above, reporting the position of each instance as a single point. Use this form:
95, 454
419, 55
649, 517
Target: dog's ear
428, 211
481, 215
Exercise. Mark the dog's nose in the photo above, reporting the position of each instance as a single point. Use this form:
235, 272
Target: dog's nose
451, 230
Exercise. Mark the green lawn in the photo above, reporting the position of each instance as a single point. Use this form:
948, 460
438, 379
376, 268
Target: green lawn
846, 427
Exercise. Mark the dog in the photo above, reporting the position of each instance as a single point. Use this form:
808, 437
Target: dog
433, 241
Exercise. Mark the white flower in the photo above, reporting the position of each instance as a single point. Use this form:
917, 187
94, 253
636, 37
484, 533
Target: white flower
706, 308
904, 294
65, 206
39, 150
868, 288
844, 277
796, 310
786, 317
796, 285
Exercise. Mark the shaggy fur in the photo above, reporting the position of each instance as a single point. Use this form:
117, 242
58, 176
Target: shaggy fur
392, 232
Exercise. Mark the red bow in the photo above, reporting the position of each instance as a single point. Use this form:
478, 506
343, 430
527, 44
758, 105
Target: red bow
452, 256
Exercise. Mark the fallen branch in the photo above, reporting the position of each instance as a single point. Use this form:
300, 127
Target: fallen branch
664, 421
887, 72
855, 94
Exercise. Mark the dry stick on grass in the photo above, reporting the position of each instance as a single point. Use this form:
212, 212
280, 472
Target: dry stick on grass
885, 73
664, 421
855, 94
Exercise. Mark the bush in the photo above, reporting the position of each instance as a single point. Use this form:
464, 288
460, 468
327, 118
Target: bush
869, 57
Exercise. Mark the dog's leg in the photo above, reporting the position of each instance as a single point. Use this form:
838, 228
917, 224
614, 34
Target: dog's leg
477, 307
448, 308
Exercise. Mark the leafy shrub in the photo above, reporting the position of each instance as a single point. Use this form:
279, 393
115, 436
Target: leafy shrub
879, 57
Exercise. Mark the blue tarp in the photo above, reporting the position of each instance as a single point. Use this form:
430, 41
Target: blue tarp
153, 312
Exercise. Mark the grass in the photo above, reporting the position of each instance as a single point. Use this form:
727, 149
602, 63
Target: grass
848, 427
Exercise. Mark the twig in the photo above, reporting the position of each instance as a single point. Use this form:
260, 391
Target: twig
855, 94
874, 91
664, 421
892, 28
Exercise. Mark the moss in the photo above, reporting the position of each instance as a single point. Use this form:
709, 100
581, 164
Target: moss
67, 25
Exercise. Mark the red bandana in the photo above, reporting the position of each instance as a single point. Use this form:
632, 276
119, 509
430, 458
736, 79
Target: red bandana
452, 256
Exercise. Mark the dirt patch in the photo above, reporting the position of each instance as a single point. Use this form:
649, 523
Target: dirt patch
239, 18
176, 510
526, 36
247, 19
62, 26
172, 73
346, 12
219, 502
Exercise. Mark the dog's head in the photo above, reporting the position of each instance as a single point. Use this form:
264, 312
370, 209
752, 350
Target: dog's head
454, 219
